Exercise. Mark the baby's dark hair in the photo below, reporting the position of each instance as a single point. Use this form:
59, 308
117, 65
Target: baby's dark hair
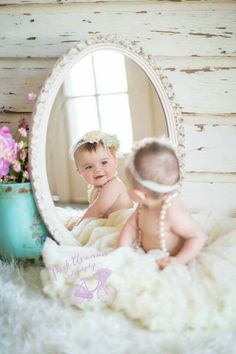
89, 147
156, 162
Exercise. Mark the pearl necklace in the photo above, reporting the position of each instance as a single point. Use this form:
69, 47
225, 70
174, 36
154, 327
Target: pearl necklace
166, 204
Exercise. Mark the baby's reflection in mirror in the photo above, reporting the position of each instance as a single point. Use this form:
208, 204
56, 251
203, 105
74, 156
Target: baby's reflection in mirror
96, 161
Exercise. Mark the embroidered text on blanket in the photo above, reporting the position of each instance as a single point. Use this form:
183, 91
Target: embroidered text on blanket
75, 261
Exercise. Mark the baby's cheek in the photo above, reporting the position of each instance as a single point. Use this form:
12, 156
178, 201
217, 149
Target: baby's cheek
87, 176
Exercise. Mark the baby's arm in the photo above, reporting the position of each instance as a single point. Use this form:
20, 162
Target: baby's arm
128, 232
104, 201
100, 202
182, 224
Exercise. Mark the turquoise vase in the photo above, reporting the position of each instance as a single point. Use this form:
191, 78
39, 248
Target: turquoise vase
22, 232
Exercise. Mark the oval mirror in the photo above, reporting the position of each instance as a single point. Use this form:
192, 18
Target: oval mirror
104, 84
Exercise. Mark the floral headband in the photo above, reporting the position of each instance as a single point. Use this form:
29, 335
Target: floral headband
97, 136
153, 186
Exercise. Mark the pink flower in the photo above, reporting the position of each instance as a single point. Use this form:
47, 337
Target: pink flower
23, 132
4, 168
5, 131
31, 96
23, 123
14, 155
8, 146
16, 166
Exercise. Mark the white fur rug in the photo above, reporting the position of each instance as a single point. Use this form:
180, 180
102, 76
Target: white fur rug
32, 323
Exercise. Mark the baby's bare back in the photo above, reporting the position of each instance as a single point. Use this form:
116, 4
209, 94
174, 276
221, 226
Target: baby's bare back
149, 223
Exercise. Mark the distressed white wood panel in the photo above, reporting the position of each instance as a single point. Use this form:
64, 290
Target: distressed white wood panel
20, 76
11, 120
210, 91
209, 196
204, 151
23, 2
210, 177
192, 65
169, 29
203, 85
209, 119
210, 147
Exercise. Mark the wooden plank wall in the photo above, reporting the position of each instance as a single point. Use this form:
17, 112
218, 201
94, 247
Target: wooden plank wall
194, 41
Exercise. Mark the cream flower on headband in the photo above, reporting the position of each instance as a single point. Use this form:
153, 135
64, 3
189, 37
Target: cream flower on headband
95, 136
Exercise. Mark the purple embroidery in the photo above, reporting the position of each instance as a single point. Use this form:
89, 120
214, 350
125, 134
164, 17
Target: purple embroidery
104, 292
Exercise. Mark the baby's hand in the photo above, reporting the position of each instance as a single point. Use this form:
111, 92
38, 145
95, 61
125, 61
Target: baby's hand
164, 262
72, 222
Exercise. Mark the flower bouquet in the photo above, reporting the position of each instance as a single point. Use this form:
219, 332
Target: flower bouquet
22, 231
14, 154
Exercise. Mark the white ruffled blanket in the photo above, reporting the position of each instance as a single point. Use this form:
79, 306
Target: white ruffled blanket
94, 275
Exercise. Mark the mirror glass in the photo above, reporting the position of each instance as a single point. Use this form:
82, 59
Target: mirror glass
103, 90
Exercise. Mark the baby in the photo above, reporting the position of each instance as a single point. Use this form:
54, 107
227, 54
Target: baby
96, 161
160, 220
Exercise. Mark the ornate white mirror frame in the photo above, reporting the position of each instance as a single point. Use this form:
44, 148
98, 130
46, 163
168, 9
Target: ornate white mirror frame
44, 103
